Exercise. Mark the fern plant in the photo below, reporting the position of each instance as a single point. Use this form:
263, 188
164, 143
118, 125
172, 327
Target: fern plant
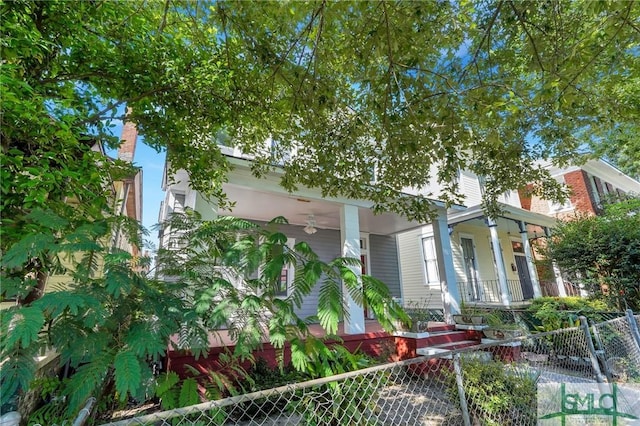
109, 321
232, 267
106, 320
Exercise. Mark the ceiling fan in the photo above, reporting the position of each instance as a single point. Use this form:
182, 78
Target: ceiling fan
311, 225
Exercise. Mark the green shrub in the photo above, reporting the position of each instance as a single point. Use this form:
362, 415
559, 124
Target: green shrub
333, 403
262, 376
496, 395
562, 312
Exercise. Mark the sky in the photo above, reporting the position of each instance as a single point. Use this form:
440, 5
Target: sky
152, 164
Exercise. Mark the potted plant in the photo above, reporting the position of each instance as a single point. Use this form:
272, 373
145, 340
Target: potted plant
471, 315
500, 330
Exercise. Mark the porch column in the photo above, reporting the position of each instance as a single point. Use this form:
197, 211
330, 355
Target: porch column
350, 237
505, 295
562, 292
533, 272
446, 270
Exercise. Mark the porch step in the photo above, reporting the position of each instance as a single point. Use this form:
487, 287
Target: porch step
455, 345
444, 348
438, 338
440, 326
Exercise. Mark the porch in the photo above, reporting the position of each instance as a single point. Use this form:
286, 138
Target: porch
488, 291
497, 258
520, 292
374, 341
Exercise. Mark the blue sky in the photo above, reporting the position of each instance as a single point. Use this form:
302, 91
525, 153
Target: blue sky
152, 163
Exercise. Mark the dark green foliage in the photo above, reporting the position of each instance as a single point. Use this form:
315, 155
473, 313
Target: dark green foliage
106, 322
556, 313
110, 321
332, 403
603, 253
262, 376
174, 393
232, 267
495, 394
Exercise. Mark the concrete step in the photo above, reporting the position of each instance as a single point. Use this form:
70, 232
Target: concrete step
443, 337
440, 326
445, 348
456, 345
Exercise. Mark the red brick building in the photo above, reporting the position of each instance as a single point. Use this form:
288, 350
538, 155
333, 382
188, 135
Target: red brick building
588, 185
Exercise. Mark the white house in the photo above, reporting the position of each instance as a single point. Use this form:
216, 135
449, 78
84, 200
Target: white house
492, 258
332, 227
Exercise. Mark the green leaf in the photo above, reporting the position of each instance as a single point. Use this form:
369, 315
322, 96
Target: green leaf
48, 219
30, 246
189, 393
87, 380
20, 327
57, 302
16, 374
128, 373
118, 281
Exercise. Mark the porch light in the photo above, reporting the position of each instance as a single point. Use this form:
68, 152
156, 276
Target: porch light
311, 225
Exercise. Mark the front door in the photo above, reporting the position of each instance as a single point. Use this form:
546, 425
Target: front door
470, 269
525, 277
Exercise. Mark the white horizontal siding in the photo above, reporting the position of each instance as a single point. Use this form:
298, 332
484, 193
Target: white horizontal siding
414, 285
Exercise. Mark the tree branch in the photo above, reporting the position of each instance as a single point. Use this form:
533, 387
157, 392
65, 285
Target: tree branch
97, 116
484, 37
524, 27
592, 60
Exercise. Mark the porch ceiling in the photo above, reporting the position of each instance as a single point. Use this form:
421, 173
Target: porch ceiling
535, 222
264, 205
508, 212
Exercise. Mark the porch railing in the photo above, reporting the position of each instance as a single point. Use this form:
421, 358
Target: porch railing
488, 291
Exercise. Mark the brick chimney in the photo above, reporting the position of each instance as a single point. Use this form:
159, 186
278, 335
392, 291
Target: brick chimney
128, 140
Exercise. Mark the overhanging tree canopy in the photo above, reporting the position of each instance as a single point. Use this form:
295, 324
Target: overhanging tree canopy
402, 88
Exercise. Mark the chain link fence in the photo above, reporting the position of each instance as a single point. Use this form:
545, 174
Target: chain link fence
618, 342
494, 383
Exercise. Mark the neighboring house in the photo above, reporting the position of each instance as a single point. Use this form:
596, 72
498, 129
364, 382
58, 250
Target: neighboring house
589, 184
332, 226
128, 191
126, 196
491, 261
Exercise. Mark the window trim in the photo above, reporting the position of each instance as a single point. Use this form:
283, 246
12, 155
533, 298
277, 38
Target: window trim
429, 281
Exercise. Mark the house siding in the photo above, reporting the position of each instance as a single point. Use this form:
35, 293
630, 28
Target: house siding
581, 196
415, 289
326, 244
384, 261
470, 187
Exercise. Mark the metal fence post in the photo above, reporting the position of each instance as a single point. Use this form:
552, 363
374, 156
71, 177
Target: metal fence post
85, 412
461, 393
584, 324
633, 325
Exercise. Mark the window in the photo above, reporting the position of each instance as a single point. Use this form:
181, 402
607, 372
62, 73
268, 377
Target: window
178, 203
430, 261
364, 254
565, 205
287, 273
557, 207
517, 247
